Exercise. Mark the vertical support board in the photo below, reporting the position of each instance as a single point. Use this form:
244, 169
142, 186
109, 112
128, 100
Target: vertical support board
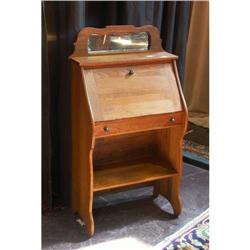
82, 151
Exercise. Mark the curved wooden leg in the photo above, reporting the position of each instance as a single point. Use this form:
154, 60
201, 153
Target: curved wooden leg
86, 198
90, 226
169, 188
170, 147
176, 203
173, 195
86, 215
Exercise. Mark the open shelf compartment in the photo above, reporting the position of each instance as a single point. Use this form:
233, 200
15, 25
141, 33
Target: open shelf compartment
130, 174
126, 160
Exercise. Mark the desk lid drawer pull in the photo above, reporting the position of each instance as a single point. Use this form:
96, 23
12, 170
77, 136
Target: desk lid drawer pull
130, 72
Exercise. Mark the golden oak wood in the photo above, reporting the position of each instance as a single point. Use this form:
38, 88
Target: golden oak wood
170, 151
130, 174
124, 149
129, 117
82, 150
142, 123
142, 93
97, 61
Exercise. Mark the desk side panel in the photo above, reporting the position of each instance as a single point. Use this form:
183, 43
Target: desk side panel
82, 151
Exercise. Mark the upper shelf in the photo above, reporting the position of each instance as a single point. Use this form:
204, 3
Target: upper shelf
96, 61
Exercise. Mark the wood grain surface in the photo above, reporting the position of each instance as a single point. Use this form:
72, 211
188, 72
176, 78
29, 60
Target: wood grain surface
82, 150
137, 124
114, 94
129, 118
98, 61
135, 147
130, 174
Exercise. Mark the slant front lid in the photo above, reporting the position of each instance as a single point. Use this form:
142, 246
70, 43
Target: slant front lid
123, 92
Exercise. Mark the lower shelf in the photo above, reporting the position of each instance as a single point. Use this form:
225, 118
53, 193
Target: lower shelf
121, 176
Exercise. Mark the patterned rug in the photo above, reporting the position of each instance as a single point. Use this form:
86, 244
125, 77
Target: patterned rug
193, 236
196, 151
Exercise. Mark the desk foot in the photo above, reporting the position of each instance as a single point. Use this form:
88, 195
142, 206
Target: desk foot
169, 188
89, 222
90, 226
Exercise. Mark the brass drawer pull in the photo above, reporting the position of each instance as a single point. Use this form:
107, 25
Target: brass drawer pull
172, 119
106, 129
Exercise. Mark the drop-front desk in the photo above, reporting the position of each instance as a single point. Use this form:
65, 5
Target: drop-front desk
128, 116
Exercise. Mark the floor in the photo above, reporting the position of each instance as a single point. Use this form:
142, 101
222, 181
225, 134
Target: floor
132, 213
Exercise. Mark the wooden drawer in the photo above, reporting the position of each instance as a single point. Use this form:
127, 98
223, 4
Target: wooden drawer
130, 125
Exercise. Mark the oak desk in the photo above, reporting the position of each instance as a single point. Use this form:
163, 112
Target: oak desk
128, 116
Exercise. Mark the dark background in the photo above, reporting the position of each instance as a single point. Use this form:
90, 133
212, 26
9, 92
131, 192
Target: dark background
61, 22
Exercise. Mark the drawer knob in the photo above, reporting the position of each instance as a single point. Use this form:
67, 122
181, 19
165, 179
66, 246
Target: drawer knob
130, 72
106, 129
172, 119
